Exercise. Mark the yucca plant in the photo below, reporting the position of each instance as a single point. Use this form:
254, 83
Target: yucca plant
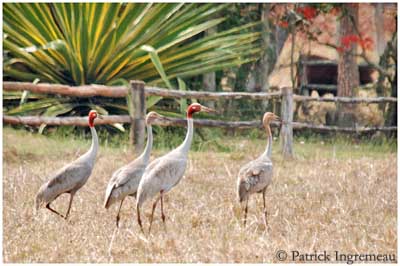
108, 43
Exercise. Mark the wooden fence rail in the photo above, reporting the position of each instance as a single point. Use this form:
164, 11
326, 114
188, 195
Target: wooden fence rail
122, 91
301, 98
126, 119
138, 91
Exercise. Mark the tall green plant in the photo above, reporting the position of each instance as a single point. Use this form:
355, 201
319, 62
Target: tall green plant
85, 43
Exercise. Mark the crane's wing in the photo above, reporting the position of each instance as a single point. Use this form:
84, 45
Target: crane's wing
129, 173
133, 170
253, 177
70, 177
162, 174
168, 172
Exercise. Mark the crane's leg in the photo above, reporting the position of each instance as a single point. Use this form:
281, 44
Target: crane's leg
52, 210
138, 218
245, 211
119, 209
71, 197
152, 212
265, 208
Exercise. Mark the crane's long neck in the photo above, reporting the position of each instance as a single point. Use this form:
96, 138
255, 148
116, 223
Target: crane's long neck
268, 149
145, 156
185, 146
90, 155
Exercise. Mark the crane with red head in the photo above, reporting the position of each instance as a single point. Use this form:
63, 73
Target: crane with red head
165, 172
71, 177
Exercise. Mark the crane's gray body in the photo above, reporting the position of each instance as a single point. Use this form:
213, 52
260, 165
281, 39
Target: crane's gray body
125, 181
71, 177
256, 175
165, 172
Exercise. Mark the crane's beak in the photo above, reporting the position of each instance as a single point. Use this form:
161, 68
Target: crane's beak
277, 118
207, 109
163, 118
100, 116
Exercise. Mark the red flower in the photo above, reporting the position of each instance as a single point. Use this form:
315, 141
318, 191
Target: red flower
340, 49
335, 11
308, 12
283, 24
348, 40
367, 43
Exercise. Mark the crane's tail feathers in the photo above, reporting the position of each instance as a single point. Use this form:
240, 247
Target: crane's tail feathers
107, 200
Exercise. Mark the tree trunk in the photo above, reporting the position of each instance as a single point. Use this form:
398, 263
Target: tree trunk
348, 74
265, 67
209, 82
380, 49
380, 29
392, 110
266, 60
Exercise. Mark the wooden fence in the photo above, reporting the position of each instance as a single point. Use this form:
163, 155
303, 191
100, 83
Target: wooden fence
137, 118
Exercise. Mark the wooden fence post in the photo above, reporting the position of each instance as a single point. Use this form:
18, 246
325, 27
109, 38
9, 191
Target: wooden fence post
287, 119
137, 107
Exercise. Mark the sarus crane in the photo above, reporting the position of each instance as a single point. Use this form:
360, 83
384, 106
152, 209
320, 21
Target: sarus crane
125, 181
165, 172
71, 177
256, 176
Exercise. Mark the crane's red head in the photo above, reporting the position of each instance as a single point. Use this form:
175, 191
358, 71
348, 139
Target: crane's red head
92, 116
196, 107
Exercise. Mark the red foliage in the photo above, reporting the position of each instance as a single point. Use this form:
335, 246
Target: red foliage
335, 11
283, 24
308, 12
346, 42
367, 43
340, 49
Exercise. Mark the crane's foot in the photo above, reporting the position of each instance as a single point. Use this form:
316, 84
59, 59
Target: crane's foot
267, 227
150, 228
245, 212
141, 228
54, 211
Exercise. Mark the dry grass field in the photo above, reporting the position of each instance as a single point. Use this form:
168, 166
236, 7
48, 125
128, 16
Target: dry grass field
331, 197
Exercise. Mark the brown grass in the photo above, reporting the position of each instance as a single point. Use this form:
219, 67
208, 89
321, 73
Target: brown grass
331, 197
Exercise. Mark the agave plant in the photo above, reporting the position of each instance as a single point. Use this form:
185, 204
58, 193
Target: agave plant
108, 43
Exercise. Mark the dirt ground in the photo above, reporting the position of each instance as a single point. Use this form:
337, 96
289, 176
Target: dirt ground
331, 197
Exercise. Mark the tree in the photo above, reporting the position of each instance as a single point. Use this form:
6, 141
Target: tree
348, 73
209, 79
111, 43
